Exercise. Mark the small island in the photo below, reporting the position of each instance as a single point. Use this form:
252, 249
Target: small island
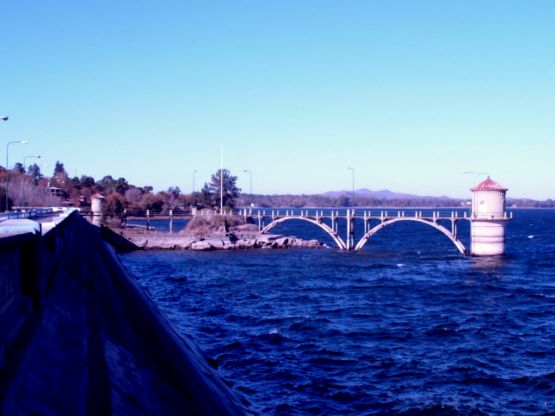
215, 232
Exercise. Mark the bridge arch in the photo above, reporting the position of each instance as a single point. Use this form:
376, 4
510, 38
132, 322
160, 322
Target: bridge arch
435, 225
340, 243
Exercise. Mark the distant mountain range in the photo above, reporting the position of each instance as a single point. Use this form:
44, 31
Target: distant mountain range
369, 198
382, 194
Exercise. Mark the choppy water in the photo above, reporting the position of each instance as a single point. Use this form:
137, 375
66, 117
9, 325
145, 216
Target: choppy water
406, 327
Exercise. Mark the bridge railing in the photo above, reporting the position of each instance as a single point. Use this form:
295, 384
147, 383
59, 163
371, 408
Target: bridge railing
355, 213
28, 213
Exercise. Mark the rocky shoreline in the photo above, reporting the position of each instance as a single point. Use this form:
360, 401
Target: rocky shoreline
151, 240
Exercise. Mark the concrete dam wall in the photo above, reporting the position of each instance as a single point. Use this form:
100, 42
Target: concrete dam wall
79, 337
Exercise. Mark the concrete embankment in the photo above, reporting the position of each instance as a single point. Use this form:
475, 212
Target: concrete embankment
78, 336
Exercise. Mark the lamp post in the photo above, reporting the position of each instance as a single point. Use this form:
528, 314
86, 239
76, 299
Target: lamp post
194, 173
250, 183
250, 179
25, 160
8, 164
353, 177
23, 181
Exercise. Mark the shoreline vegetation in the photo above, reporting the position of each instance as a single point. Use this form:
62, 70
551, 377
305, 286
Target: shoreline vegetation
214, 232
29, 187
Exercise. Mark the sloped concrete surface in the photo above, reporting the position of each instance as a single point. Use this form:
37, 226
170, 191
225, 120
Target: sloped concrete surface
97, 345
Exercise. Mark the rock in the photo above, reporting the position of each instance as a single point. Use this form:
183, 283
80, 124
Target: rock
309, 244
241, 240
246, 228
142, 243
204, 225
186, 244
218, 244
282, 242
266, 239
201, 246
245, 243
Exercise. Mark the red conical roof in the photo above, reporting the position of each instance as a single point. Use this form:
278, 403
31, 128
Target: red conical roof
489, 185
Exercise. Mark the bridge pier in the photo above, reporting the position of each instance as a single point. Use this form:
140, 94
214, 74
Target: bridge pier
350, 240
366, 220
333, 223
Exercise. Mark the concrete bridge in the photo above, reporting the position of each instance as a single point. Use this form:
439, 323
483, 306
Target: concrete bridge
447, 224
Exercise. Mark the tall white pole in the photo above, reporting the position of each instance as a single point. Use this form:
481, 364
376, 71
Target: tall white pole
23, 202
353, 178
194, 173
8, 164
250, 179
221, 180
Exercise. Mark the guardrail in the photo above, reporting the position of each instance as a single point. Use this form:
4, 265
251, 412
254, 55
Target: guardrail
28, 214
34, 213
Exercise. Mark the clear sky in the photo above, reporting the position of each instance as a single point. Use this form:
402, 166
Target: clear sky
409, 93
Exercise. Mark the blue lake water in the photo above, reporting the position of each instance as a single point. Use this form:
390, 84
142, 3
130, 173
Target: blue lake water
178, 224
406, 327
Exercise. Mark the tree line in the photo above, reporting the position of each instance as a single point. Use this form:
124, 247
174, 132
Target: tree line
29, 187
346, 200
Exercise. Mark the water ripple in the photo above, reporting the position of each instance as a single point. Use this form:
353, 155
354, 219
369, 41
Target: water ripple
398, 329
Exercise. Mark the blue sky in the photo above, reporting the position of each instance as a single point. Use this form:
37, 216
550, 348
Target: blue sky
409, 93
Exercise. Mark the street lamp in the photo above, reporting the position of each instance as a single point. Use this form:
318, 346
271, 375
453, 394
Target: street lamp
8, 164
353, 172
4, 118
25, 160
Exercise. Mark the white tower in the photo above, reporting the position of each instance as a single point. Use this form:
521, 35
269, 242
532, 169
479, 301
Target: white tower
97, 204
488, 219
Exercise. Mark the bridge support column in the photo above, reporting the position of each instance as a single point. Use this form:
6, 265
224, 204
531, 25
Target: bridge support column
350, 230
454, 227
365, 222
